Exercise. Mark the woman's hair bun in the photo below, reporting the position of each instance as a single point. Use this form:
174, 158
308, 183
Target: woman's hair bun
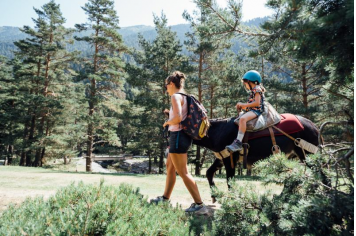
177, 78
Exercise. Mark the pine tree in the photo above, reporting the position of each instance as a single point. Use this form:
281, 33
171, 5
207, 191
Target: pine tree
102, 73
9, 129
209, 59
41, 70
317, 56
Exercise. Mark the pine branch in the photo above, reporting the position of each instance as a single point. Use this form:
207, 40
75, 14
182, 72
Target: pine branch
313, 91
337, 94
233, 27
346, 156
313, 99
327, 123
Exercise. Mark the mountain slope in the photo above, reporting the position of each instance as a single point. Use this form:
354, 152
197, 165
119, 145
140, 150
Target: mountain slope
10, 34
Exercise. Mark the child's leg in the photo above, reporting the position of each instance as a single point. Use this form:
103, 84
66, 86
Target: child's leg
237, 144
244, 119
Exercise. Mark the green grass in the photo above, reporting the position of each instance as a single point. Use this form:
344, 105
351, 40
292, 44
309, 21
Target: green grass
17, 183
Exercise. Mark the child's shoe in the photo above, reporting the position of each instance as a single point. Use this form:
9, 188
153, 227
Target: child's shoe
235, 146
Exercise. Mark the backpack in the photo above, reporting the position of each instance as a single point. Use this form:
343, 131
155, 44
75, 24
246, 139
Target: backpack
196, 124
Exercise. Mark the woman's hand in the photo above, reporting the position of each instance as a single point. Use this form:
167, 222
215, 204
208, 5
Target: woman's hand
165, 124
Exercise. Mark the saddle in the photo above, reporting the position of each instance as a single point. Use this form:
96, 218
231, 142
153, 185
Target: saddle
268, 118
289, 123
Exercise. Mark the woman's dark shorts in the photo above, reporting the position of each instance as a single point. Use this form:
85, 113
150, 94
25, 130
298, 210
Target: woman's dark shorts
179, 142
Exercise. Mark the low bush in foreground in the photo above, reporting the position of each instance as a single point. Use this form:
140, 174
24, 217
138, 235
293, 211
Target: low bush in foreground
93, 210
313, 202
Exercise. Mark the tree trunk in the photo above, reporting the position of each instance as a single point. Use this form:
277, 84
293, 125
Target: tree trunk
40, 151
44, 148
149, 162
161, 158
42, 156
23, 158
197, 157
197, 162
90, 140
25, 138
211, 101
92, 95
10, 154
31, 139
37, 158
28, 158
37, 162
304, 86
89, 147
262, 71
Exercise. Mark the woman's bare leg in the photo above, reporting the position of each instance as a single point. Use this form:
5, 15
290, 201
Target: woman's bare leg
180, 164
171, 177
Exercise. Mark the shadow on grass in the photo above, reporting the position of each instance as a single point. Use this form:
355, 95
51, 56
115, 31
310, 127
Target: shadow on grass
50, 170
237, 177
106, 174
201, 225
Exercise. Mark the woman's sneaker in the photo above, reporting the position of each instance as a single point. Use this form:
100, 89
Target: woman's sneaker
159, 199
197, 209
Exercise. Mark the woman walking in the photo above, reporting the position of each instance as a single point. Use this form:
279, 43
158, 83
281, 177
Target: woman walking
179, 143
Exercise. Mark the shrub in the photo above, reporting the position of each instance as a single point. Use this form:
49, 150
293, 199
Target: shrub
93, 210
311, 202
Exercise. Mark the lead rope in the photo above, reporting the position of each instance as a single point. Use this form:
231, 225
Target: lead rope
232, 160
296, 141
275, 148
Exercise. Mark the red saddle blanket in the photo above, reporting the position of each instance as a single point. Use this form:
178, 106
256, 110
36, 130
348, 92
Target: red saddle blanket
289, 124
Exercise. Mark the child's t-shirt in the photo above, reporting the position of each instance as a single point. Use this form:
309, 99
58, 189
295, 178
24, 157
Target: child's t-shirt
256, 89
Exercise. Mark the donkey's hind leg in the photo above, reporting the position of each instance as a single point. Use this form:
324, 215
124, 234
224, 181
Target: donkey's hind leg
210, 174
230, 171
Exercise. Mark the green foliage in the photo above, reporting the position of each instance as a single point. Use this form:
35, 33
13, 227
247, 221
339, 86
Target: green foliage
102, 73
312, 202
37, 95
93, 210
311, 41
154, 63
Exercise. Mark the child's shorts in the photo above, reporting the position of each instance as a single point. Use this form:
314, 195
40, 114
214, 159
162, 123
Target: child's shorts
258, 113
179, 142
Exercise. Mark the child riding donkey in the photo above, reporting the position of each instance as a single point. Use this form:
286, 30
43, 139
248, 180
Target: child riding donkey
253, 108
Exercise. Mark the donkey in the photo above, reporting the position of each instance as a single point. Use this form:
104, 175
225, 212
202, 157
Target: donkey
223, 131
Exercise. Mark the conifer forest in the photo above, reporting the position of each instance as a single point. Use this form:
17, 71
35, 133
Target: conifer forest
91, 90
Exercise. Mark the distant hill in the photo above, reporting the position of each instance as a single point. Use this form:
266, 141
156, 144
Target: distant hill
10, 34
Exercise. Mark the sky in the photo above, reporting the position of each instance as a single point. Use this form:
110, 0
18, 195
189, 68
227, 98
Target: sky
131, 12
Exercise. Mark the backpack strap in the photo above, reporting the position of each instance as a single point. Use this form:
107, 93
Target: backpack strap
188, 100
188, 103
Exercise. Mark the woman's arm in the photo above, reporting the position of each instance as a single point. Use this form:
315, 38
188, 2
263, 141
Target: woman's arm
176, 101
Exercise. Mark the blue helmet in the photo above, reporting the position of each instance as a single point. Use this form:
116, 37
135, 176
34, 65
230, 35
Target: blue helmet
253, 76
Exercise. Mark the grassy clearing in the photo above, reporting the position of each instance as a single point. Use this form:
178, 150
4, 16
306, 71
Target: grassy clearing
17, 183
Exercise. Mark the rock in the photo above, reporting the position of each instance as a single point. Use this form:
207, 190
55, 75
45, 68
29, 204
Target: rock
135, 166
